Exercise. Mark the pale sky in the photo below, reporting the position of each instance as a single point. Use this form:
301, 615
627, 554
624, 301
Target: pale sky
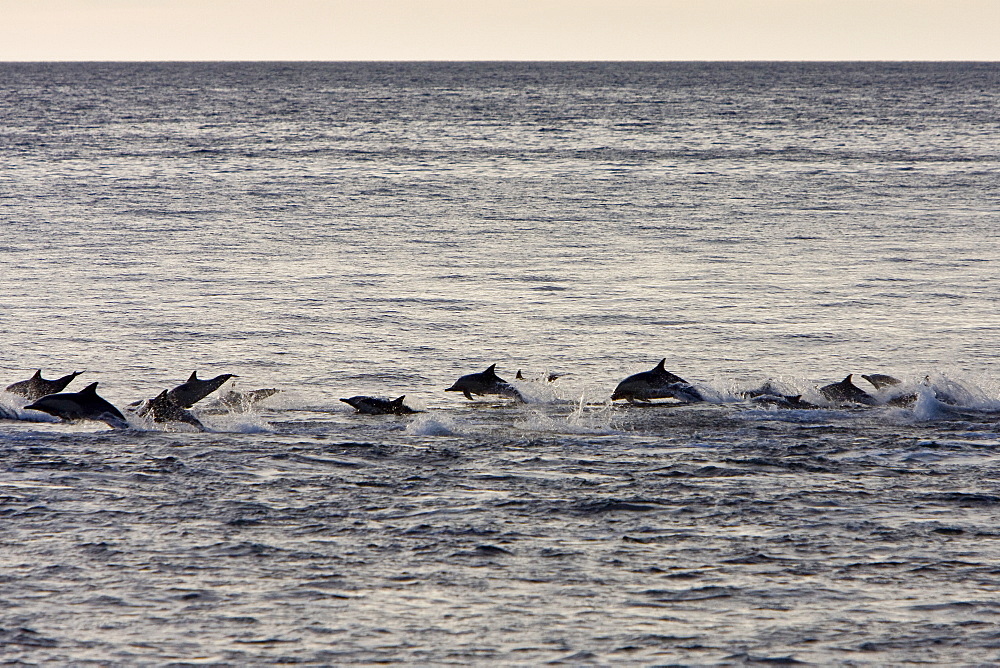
499, 30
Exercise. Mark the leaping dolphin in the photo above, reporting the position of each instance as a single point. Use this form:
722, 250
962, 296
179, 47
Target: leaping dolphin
243, 402
162, 409
485, 382
82, 405
880, 380
657, 383
379, 406
846, 391
37, 387
195, 389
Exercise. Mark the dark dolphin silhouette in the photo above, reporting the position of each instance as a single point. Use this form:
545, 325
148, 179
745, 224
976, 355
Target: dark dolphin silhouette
37, 387
192, 391
846, 391
657, 383
163, 409
769, 395
880, 380
483, 383
782, 401
379, 406
82, 405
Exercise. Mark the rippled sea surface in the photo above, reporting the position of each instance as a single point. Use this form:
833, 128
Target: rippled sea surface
333, 230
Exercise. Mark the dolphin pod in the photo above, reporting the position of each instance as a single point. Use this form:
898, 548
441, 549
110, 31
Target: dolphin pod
637, 389
659, 383
169, 406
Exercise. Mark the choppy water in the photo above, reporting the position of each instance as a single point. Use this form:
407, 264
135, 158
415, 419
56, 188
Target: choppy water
342, 229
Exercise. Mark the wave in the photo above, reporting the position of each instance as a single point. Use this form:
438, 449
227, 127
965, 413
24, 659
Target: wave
576, 423
433, 425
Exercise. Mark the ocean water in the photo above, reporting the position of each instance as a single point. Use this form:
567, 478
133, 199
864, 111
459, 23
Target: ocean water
336, 229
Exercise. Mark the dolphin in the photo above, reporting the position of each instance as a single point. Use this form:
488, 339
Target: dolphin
162, 409
769, 395
880, 380
195, 389
242, 402
485, 382
768, 388
657, 383
37, 387
846, 391
544, 377
896, 396
907, 399
82, 405
379, 406
782, 401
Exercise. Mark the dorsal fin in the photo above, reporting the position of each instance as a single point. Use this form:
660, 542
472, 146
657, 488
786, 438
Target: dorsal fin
399, 400
37, 374
518, 375
194, 376
660, 366
492, 370
847, 381
90, 389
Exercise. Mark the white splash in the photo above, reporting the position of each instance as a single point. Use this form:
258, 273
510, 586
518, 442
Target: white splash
430, 425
